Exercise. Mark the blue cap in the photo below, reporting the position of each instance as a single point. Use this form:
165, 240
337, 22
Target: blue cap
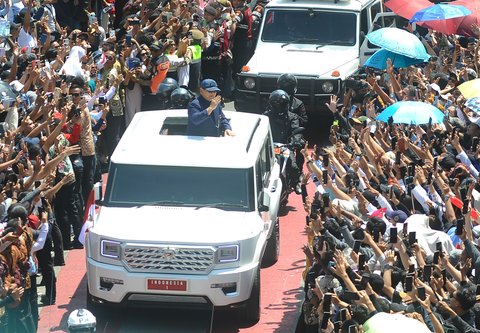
398, 215
209, 85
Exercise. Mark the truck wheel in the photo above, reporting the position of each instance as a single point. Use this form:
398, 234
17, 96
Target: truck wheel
250, 312
272, 250
97, 309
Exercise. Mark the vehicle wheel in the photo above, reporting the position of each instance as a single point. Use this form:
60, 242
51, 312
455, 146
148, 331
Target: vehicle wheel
97, 309
250, 311
272, 250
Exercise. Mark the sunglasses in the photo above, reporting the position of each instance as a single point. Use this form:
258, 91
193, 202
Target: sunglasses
109, 58
76, 94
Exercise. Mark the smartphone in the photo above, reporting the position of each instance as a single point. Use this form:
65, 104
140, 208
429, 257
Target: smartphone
66, 42
408, 283
304, 193
326, 200
326, 160
411, 170
412, 237
307, 220
313, 211
393, 235
356, 246
43, 38
101, 100
411, 268
439, 247
429, 123
444, 275
398, 156
421, 293
128, 40
436, 257
343, 314
325, 177
352, 329
403, 172
2, 52
460, 225
364, 281
361, 262
393, 143
325, 319
327, 302
318, 243
466, 204
427, 273
475, 141
337, 326
430, 178
435, 163
350, 296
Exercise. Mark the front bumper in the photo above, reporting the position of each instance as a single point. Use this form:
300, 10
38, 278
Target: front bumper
309, 90
199, 290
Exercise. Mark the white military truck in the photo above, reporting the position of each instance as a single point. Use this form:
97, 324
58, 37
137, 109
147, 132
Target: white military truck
186, 220
321, 42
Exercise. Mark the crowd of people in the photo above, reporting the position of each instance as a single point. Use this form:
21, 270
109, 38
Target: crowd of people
73, 74
393, 235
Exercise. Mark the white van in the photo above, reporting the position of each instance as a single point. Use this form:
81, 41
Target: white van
319, 41
186, 220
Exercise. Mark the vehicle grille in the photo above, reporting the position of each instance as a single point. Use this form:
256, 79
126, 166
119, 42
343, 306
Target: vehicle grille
168, 259
307, 86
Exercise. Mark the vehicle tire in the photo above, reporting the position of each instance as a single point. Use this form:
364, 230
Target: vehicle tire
97, 309
249, 313
272, 250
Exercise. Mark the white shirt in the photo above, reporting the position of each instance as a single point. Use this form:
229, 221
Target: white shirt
25, 39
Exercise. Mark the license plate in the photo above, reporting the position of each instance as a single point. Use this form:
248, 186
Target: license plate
162, 284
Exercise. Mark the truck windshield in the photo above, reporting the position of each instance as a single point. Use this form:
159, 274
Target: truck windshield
135, 185
309, 26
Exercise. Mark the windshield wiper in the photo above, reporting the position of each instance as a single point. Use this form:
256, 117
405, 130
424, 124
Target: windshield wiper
162, 202
222, 204
300, 40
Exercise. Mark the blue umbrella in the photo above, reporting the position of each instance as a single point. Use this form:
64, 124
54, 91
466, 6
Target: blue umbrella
473, 104
440, 12
414, 113
379, 60
400, 42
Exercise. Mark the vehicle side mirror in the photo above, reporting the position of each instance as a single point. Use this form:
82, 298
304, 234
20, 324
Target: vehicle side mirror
264, 202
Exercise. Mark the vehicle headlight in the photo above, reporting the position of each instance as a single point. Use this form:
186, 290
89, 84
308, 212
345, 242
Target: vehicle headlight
249, 83
110, 249
228, 253
327, 87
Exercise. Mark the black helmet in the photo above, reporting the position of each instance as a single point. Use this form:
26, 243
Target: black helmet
180, 98
279, 101
287, 82
165, 88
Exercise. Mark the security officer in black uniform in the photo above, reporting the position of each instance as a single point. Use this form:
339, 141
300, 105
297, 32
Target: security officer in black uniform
288, 83
283, 123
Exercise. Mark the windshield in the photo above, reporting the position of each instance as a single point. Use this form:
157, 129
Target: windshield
133, 185
307, 26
